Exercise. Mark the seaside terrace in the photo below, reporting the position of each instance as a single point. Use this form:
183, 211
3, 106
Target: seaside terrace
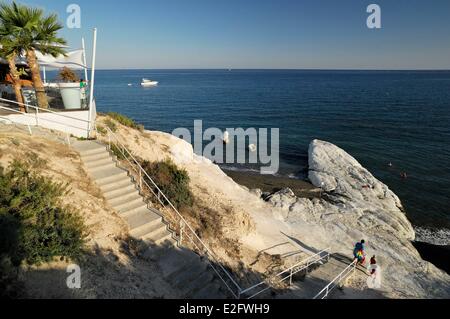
71, 104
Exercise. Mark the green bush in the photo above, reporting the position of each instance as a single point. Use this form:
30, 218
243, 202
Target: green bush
101, 130
35, 226
172, 181
111, 125
125, 121
116, 150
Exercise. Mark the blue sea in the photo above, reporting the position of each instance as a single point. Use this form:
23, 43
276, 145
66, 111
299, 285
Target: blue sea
379, 117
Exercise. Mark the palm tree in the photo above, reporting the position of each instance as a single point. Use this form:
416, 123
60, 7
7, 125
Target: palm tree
8, 51
32, 30
11, 57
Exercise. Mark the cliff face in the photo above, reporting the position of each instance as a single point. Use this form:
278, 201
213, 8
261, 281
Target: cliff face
355, 206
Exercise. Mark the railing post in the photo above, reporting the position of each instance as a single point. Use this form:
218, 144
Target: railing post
37, 116
140, 180
181, 232
290, 279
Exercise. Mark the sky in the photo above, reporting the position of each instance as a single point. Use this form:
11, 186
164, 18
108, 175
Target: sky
261, 34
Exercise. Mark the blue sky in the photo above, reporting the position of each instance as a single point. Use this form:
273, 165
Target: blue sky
295, 34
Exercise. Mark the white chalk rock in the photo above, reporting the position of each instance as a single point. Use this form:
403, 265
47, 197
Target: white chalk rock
182, 152
358, 206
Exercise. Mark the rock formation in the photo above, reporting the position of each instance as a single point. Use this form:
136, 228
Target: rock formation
355, 206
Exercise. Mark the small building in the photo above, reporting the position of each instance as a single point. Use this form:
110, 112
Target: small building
71, 108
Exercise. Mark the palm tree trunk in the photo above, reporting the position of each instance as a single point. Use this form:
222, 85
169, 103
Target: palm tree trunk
37, 80
15, 76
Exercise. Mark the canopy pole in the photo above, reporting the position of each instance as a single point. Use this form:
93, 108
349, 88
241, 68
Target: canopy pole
84, 60
45, 75
91, 93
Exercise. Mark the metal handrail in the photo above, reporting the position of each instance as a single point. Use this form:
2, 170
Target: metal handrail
183, 223
37, 109
343, 275
291, 271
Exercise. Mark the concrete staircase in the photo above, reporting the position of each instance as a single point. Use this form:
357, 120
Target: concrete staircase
310, 284
185, 270
145, 223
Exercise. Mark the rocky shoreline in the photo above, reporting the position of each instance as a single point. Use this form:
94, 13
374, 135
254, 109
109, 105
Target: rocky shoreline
269, 186
356, 205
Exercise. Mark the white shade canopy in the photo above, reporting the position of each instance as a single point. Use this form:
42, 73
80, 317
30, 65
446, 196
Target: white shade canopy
73, 60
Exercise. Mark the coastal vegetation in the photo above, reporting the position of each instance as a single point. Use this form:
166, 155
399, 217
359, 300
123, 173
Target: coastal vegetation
172, 181
23, 31
110, 124
125, 121
208, 223
35, 227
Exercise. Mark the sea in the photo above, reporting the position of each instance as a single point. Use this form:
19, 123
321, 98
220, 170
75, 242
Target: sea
392, 122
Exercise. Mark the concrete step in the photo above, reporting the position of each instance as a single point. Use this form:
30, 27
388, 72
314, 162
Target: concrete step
116, 184
98, 162
154, 234
131, 205
107, 176
147, 229
95, 157
208, 291
142, 207
205, 278
123, 189
141, 217
109, 165
154, 253
175, 260
189, 273
97, 149
86, 147
163, 238
131, 195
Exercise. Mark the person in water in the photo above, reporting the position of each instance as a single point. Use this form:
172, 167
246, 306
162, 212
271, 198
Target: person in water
359, 252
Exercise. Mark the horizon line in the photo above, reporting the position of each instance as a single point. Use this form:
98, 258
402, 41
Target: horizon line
282, 69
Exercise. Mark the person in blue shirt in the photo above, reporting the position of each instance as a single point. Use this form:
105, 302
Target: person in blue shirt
359, 251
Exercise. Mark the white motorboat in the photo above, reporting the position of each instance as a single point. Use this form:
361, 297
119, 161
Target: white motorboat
147, 82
